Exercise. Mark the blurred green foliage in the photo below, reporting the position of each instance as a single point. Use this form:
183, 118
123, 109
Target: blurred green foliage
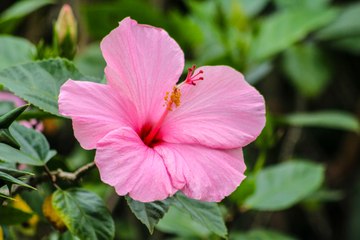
303, 56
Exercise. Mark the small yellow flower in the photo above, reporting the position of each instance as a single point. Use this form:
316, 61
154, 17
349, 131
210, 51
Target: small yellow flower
51, 214
1, 234
29, 227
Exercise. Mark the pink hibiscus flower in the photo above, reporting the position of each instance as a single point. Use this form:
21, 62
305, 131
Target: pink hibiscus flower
153, 137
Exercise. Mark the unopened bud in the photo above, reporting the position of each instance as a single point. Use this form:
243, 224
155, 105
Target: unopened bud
65, 32
66, 24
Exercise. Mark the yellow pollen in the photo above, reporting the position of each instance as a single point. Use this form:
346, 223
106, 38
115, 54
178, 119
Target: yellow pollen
174, 98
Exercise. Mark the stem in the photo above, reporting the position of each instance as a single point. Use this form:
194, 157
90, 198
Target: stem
56, 175
293, 135
51, 176
73, 176
260, 162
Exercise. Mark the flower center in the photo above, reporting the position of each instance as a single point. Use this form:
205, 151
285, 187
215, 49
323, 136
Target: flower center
149, 134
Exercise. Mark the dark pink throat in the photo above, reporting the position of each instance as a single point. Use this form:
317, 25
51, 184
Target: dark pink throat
149, 133
149, 136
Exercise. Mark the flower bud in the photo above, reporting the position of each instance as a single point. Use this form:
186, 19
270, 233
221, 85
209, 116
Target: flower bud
66, 24
65, 32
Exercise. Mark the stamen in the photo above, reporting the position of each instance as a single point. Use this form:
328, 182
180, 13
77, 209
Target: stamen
191, 78
171, 98
174, 97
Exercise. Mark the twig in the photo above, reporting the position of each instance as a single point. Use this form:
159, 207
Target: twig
51, 176
294, 133
54, 176
73, 176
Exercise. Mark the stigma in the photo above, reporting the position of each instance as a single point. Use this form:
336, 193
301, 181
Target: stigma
192, 78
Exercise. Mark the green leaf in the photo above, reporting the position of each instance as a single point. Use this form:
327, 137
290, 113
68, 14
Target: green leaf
253, 7
303, 3
15, 50
22, 8
283, 185
8, 118
347, 24
180, 223
6, 106
32, 142
34, 148
325, 119
91, 61
5, 197
84, 214
99, 16
246, 188
12, 155
206, 213
256, 73
11, 216
7, 138
307, 69
39, 82
10, 179
349, 44
259, 234
149, 213
282, 29
14, 172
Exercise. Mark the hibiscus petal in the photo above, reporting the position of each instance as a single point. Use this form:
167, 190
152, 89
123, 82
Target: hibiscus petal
222, 111
203, 173
143, 63
95, 110
133, 168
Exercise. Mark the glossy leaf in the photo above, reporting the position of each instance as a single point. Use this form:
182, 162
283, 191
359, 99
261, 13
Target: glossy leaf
84, 214
3, 196
91, 61
11, 180
149, 213
324, 119
281, 186
32, 142
7, 138
10, 215
246, 189
303, 3
39, 82
253, 7
282, 29
347, 24
8, 118
14, 172
307, 69
12, 155
349, 44
22, 8
180, 223
15, 50
206, 213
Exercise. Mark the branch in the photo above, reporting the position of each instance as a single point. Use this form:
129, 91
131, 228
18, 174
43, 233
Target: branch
73, 176
53, 176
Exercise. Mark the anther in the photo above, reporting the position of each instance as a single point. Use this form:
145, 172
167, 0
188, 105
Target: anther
173, 98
